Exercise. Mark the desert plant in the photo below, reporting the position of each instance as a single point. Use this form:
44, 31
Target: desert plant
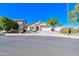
65, 30
73, 30
77, 30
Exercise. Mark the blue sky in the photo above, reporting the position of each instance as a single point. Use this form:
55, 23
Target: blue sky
34, 12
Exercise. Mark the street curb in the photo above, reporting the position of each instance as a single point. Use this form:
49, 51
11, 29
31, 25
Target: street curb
63, 36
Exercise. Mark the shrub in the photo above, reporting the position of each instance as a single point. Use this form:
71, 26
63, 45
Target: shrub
1, 29
74, 30
77, 30
22, 31
13, 31
65, 30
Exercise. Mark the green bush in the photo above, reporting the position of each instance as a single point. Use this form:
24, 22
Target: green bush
1, 29
7, 24
65, 30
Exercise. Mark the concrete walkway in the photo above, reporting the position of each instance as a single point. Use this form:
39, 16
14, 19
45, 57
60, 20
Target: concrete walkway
56, 34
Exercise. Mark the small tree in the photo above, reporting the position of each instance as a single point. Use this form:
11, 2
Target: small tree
74, 14
7, 24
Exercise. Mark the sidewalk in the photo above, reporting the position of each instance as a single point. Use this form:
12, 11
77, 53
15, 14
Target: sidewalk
56, 34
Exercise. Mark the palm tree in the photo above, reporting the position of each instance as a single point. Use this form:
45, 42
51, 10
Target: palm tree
53, 22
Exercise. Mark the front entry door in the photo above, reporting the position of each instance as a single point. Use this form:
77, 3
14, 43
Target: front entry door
37, 28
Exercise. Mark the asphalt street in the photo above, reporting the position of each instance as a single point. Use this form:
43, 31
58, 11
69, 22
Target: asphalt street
38, 46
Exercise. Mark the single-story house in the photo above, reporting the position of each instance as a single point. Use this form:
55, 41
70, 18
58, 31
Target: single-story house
39, 26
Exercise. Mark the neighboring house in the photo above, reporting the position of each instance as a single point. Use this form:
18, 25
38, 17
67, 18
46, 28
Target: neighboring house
39, 26
22, 24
